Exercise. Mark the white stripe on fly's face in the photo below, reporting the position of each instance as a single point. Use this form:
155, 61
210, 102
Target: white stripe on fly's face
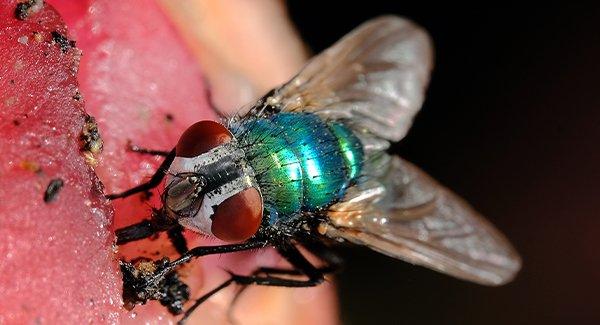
201, 221
191, 164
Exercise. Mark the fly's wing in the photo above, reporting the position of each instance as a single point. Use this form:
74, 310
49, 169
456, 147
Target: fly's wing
374, 78
404, 213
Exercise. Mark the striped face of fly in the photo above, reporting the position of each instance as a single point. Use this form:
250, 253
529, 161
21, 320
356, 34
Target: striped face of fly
210, 187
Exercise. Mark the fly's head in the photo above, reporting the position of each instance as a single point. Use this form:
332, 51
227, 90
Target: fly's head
210, 187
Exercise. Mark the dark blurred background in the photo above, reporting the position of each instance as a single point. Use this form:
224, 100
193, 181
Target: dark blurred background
511, 123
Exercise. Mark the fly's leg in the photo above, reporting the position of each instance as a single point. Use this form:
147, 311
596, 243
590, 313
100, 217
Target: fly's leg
152, 183
157, 223
140, 230
270, 271
177, 239
146, 151
147, 228
314, 277
333, 263
256, 280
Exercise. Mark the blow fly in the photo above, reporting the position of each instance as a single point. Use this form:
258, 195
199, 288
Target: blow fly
307, 165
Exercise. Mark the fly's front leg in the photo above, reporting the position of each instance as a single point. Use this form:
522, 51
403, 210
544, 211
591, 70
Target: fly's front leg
177, 239
159, 222
315, 276
147, 228
140, 230
154, 181
146, 151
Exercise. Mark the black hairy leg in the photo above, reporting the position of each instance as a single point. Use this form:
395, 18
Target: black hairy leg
158, 222
333, 263
146, 151
301, 266
177, 239
154, 181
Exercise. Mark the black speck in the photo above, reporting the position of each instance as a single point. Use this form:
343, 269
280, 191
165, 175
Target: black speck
63, 42
169, 117
53, 189
12, 81
77, 96
24, 9
16, 122
21, 10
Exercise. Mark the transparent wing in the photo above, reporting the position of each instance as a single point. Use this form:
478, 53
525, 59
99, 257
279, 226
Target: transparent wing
374, 78
404, 213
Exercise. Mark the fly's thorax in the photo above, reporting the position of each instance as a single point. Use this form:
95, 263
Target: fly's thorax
302, 163
214, 193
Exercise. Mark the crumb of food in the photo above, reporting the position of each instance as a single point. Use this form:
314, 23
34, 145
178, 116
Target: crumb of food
62, 41
29, 165
23, 40
28, 8
77, 96
91, 141
145, 267
140, 285
38, 37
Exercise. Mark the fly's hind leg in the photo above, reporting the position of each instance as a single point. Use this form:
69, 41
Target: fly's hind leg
302, 266
270, 271
333, 263
154, 181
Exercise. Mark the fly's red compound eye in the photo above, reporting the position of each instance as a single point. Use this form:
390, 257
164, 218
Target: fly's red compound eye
238, 217
202, 137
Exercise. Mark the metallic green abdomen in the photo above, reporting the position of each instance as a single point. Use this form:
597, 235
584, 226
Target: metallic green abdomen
300, 162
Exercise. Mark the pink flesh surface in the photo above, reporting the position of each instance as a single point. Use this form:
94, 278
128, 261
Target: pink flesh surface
135, 70
49, 251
